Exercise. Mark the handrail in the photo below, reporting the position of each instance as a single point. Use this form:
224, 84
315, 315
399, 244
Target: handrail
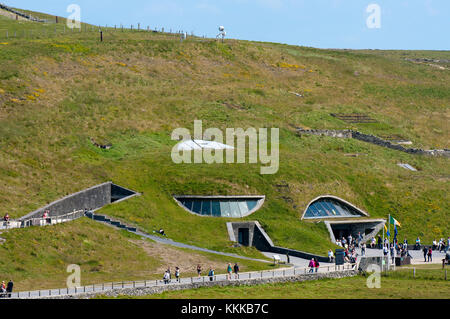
103, 287
38, 220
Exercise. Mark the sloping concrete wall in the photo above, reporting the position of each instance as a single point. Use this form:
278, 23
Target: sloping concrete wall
261, 241
91, 198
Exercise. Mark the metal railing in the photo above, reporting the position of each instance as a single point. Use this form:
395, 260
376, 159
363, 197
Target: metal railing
98, 288
40, 221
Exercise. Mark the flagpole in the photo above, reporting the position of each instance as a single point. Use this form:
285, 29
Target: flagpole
389, 228
389, 242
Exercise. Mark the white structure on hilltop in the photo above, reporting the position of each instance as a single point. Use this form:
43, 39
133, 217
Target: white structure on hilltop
222, 33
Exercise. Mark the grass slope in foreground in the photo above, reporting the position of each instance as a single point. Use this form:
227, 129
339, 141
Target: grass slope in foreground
37, 257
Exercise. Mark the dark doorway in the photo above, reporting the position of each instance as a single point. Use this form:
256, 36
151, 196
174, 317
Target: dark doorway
243, 236
118, 193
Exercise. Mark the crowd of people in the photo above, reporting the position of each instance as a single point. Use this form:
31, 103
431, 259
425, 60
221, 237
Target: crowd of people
350, 244
393, 249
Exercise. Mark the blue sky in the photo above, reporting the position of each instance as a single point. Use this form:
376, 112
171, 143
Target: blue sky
404, 24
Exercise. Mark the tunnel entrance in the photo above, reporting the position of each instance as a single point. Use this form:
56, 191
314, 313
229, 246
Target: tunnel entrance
119, 193
243, 236
367, 228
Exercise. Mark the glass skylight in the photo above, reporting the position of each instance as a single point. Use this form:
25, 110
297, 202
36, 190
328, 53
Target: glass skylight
234, 207
331, 207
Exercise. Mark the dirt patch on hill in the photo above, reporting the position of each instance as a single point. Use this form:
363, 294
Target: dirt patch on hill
173, 257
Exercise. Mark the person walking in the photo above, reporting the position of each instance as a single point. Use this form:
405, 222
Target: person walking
177, 274
211, 274
199, 270
392, 251
166, 277
3, 289
229, 270
385, 250
316, 265
430, 255
363, 249
236, 271
311, 265
9, 288
360, 238
425, 252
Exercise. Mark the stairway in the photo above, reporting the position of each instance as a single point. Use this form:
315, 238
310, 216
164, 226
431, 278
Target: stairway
107, 220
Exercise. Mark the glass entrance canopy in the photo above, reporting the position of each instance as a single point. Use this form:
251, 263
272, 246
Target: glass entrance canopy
221, 206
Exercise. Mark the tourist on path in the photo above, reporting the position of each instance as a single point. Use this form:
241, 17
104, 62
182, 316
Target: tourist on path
425, 252
177, 274
211, 274
9, 288
236, 271
166, 277
311, 265
385, 250
199, 270
430, 255
316, 264
3, 289
229, 270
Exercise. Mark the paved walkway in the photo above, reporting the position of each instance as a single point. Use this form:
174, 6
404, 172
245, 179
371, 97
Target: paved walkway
282, 272
168, 241
417, 256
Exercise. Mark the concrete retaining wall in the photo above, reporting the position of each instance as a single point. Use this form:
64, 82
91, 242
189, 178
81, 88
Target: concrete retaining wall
261, 241
143, 291
91, 198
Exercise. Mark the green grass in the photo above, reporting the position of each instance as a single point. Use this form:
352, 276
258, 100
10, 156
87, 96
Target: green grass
134, 88
428, 284
37, 257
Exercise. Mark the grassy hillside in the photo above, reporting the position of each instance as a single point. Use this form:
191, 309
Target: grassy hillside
134, 88
37, 258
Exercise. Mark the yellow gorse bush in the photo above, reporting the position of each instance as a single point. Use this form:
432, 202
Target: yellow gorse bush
289, 66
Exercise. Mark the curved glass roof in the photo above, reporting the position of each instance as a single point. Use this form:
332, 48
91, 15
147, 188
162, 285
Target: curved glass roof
330, 208
234, 207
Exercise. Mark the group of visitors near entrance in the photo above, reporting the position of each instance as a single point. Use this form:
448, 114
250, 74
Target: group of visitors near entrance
350, 244
167, 278
6, 289
394, 249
